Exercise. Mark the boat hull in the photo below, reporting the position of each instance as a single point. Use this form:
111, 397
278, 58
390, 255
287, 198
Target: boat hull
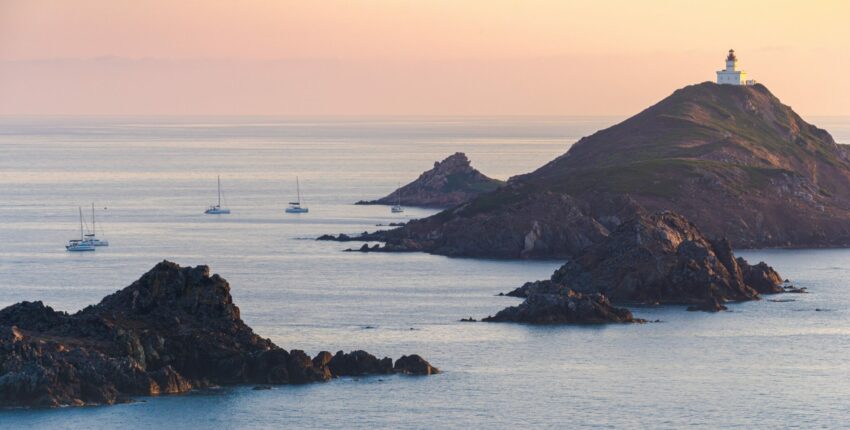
79, 248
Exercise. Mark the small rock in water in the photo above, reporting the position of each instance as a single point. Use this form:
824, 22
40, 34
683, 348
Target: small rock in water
414, 365
262, 387
470, 319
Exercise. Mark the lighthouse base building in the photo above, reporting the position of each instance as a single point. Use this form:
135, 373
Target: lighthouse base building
731, 75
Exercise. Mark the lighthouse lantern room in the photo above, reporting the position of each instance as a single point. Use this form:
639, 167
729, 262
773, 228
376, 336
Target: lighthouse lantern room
731, 75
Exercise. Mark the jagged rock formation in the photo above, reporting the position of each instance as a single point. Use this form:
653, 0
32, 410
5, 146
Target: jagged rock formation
174, 329
564, 306
732, 159
451, 182
660, 259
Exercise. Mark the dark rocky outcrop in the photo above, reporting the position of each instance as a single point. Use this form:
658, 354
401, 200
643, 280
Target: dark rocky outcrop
761, 277
451, 182
537, 225
732, 159
649, 259
564, 307
414, 365
663, 258
173, 330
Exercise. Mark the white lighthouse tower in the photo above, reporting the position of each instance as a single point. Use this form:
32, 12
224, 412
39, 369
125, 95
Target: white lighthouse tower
731, 75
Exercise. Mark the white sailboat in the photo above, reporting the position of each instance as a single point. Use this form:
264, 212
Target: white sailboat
91, 238
78, 245
397, 206
216, 209
295, 207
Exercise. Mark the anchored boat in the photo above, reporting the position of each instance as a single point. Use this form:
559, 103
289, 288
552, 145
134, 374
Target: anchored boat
295, 207
216, 209
91, 238
78, 245
397, 206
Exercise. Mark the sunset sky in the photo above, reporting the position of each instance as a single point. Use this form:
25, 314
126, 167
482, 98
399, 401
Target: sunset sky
476, 57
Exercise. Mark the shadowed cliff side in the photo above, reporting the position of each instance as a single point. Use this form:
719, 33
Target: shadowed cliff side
174, 329
660, 259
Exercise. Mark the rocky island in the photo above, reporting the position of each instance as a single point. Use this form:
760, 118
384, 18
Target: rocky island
562, 305
449, 183
649, 259
173, 330
732, 159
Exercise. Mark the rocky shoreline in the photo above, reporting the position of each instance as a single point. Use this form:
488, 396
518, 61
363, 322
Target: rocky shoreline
648, 260
733, 159
173, 330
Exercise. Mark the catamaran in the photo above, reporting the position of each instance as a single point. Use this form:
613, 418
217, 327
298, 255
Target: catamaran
91, 238
397, 206
216, 209
295, 207
77, 245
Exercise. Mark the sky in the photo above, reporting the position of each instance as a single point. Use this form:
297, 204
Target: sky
396, 57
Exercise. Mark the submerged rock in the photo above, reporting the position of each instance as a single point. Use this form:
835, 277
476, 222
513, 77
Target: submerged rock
794, 290
173, 330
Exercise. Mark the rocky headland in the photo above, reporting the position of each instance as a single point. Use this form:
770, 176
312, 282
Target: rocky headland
732, 159
449, 183
649, 259
173, 330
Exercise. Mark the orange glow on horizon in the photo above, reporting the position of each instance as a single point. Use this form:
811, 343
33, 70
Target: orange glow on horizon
409, 58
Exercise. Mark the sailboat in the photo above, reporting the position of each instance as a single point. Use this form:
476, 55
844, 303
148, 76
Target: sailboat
91, 238
397, 206
216, 209
77, 245
295, 207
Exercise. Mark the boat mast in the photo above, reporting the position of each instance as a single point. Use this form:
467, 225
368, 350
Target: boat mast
81, 223
219, 190
92, 220
298, 189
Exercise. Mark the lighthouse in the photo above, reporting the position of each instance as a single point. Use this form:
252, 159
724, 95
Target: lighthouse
731, 75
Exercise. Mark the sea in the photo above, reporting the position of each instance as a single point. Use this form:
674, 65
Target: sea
762, 364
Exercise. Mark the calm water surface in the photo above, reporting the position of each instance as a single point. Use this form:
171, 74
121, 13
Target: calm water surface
763, 365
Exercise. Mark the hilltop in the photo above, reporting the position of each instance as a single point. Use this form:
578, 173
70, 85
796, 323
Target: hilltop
449, 183
734, 160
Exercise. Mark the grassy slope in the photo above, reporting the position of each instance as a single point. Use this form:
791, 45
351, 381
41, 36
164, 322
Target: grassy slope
702, 131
